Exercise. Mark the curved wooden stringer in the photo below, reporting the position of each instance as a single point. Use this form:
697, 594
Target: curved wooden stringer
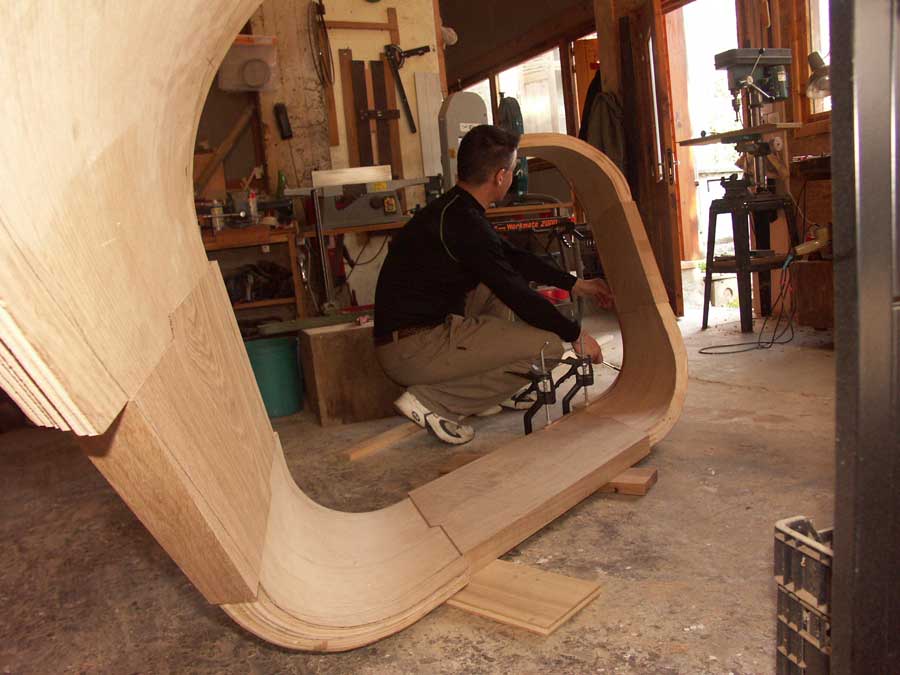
114, 326
649, 392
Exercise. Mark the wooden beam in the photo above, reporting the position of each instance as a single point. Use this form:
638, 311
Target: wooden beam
358, 25
393, 126
567, 67
393, 25
527, 45
222, 150
607, 23
345, 61
439, 41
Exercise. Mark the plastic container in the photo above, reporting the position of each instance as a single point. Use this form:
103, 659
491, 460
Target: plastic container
275, 365
803, 557
250, 65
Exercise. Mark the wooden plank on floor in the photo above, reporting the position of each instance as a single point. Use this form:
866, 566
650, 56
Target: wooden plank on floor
383, 441
487, 506
634, 481
518, 595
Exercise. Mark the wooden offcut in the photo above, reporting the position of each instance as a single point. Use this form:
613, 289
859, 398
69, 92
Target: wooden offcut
383, 441
526, 597
635, 481
344, 382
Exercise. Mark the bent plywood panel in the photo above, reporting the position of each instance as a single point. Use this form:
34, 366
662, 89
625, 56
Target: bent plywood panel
98, 234
649, 392
113, 325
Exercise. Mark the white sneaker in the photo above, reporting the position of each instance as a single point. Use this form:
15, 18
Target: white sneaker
446, 430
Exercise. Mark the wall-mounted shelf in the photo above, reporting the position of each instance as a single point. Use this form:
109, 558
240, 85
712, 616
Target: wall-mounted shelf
261, 235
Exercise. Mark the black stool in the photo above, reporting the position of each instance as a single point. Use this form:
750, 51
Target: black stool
741, 204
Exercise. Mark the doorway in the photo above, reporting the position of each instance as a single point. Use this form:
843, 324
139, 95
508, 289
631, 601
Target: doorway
701, 103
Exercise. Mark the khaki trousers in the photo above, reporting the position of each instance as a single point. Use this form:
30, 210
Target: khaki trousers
469, 363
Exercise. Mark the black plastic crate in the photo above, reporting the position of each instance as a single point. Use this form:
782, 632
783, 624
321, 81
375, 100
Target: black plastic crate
803, 559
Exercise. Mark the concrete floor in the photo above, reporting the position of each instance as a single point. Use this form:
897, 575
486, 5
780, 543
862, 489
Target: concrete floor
686, 571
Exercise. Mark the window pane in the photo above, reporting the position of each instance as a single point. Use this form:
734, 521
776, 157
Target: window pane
537, 85
820, 41
483, 89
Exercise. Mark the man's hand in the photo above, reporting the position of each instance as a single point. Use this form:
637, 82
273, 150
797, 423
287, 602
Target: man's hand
591, 347
596, 289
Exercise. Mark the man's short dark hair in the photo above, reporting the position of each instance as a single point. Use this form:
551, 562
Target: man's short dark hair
483, 151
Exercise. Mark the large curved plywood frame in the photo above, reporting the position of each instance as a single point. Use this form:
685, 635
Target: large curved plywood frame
114, 326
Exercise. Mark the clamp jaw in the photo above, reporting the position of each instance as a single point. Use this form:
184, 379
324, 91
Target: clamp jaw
580, 367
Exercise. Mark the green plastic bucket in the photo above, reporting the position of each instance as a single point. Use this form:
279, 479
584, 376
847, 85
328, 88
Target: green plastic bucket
274, 363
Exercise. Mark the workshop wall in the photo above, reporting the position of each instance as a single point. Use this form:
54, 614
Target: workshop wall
417, 28
299, 89
416, 21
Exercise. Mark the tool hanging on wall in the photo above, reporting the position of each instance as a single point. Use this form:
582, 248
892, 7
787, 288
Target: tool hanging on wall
395, 58
320, 47
319, 43
369, 97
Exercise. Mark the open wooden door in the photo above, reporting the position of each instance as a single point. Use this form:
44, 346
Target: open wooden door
650, 138
586, 55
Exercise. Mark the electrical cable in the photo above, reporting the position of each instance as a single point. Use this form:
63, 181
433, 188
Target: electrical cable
776, 339
356, 263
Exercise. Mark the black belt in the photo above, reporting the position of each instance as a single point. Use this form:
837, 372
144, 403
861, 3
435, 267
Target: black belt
394, 336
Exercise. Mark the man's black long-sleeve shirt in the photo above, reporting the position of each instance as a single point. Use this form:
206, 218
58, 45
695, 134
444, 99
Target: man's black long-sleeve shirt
431, 267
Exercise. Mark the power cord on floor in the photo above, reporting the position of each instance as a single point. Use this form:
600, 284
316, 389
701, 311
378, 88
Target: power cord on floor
777, 332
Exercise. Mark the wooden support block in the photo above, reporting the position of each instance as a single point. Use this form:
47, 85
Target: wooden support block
383, 441
522, 596
634, 481
344, 382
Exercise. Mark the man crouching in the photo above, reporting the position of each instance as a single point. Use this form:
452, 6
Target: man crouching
449, 294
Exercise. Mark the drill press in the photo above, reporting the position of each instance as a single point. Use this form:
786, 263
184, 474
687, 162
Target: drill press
759, 77
756, 77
